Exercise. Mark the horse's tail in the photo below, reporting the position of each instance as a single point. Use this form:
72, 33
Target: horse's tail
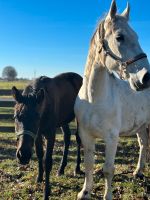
148, 143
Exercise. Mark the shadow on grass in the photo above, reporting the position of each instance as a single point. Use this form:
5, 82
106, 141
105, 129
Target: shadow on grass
126, 153
125, 150
7, 149
8, 141
9, 153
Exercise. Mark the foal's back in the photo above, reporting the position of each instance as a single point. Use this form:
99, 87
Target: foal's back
61, 92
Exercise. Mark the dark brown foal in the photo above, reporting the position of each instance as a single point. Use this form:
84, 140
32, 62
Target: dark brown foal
45, 105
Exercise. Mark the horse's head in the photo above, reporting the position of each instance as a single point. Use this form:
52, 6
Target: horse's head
27, 117
120, 50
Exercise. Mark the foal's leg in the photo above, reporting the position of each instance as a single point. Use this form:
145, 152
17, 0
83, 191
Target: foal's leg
67, 133
39, 153
89, 147
108, 168
143, 143
78, 140
48, 162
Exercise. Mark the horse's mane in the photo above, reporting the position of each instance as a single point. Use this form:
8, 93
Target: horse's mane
92, 51
94, 45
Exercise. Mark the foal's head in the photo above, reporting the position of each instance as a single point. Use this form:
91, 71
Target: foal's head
120, 50
27, 116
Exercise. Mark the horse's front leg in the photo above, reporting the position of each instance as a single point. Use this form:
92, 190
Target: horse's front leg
66, 131
143, 143
48, 163
108, 168
89, 147
39, 153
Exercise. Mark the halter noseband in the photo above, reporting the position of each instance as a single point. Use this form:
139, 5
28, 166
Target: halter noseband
25, 132
107, 52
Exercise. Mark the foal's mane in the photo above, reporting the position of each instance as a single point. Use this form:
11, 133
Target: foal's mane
30, 91
39, 83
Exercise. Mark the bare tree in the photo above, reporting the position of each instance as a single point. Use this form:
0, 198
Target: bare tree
9, 73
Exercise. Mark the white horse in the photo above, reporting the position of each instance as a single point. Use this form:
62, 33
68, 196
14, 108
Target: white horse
107, 107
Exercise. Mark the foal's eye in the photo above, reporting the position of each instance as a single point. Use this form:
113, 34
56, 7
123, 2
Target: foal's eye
120, 38
17, 140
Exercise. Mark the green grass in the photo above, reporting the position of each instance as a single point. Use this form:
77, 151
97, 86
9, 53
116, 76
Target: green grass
7, 123
10, 84
18, 182
6, 110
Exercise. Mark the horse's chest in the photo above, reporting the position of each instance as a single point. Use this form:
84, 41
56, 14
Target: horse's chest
96, 118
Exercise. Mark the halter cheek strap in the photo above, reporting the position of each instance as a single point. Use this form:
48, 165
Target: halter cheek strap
25, 132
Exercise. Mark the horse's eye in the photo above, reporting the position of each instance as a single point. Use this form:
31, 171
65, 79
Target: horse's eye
120, 38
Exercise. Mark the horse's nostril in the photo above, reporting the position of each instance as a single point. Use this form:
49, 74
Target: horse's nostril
146, 78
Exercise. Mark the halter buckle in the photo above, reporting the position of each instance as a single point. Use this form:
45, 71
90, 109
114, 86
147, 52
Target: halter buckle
123, 70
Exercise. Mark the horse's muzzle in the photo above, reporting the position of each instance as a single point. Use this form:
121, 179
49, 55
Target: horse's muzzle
146, 79
141, 80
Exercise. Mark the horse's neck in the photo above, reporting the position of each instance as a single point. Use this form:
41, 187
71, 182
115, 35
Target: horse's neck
98, 84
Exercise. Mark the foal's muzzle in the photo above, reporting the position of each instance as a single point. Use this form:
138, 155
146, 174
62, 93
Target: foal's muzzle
23, 157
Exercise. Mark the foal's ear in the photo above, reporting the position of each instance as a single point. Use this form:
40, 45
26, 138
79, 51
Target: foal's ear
112, 11
17, 95
40, 95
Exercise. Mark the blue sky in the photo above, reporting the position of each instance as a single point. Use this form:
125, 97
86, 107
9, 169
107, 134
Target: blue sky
48, 37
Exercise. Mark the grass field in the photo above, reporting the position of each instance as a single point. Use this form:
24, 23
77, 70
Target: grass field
18, 182
6, 123
5, 110
10, 84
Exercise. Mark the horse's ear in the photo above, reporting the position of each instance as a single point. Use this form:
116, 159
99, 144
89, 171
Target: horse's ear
112, 11
17, 95
40, 95
126, 12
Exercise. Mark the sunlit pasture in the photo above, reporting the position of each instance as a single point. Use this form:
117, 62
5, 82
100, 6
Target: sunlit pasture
19, 182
